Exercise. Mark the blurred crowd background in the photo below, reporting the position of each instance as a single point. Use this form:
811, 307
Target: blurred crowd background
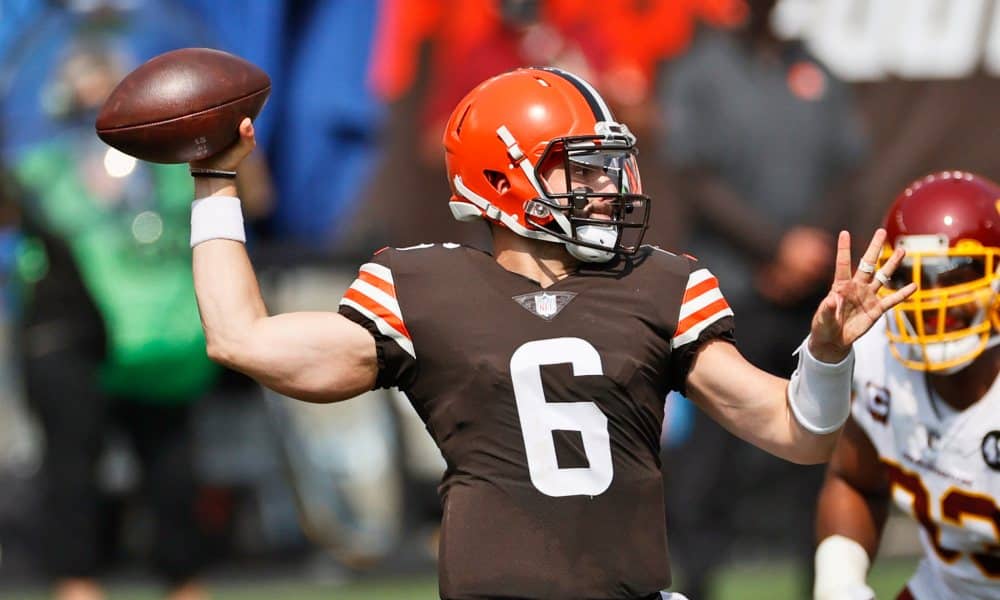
764, 127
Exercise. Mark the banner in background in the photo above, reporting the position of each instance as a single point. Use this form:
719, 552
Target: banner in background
871, 40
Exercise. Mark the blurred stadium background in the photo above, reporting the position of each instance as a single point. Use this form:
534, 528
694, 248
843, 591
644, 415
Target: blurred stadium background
339, 501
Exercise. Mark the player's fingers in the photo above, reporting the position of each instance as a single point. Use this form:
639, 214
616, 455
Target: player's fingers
842, 270
896, 297
866, 267
827, 311
246, 128
230, 158
885, 272
247, 140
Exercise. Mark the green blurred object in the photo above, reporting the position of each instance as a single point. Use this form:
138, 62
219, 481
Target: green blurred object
127, 225
771, 581
31, 263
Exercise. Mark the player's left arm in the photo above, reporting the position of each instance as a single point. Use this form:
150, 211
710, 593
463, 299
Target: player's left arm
851, 512
798, 420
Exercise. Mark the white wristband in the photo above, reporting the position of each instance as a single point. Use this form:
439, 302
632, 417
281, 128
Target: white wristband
841, 569
215, 218
819, 393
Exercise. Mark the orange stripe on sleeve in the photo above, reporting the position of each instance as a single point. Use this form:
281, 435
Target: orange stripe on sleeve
378, 282
700, 288
703, 314
382, 312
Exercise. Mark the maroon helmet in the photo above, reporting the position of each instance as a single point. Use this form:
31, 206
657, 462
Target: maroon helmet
949, 225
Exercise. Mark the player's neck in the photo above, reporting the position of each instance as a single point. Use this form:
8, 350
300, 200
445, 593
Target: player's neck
542, 262
963, 389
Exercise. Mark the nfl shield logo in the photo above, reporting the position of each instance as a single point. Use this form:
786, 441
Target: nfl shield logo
545, 305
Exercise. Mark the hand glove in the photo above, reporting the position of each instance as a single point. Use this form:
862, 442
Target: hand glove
850, 591
841, 569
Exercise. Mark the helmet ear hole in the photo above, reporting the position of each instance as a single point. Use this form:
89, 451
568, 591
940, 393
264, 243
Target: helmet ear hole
498, 181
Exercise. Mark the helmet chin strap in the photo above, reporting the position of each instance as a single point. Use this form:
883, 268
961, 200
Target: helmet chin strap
601, 235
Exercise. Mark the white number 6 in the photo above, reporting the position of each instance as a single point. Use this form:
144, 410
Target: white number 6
540, 418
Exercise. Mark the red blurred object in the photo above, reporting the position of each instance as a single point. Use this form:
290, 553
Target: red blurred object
619, 36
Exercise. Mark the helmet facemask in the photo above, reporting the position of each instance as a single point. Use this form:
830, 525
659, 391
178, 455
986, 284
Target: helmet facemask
596, 207
951, 318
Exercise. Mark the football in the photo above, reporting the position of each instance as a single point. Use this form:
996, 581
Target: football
182, 105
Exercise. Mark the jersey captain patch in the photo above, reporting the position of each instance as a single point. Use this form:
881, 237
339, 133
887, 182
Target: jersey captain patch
877, 399
991, 449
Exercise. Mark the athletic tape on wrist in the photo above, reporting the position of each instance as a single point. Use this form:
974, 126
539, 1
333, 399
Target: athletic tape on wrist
217, 218
841, 564
819, 393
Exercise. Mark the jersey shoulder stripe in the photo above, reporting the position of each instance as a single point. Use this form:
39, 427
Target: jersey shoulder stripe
373, 294
703, 304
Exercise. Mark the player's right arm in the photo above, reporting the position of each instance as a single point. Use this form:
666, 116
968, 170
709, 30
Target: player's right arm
312, 356
851, 512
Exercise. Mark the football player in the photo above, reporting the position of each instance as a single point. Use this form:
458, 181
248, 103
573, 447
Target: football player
540, 368
925, 431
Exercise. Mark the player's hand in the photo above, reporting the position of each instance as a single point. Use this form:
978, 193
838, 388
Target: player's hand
853, 304
230, 158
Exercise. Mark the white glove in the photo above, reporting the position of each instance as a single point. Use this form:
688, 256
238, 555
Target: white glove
851, 591
841, 568
672, 596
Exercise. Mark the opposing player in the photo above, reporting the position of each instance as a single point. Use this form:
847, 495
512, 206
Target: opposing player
925, 431
540, 369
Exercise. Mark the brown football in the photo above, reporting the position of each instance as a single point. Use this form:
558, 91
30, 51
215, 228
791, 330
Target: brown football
182, 105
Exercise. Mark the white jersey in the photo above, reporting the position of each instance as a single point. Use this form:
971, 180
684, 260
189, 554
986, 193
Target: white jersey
944, 467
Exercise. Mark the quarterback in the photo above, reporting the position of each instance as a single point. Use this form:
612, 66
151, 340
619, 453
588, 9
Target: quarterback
539, 368
925, 431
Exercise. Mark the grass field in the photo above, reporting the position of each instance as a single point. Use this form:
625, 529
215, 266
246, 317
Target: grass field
744, 582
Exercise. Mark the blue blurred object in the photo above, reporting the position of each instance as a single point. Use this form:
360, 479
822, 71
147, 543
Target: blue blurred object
255, 31
678, 417
10, 242
15, 16
320, 128
33, 42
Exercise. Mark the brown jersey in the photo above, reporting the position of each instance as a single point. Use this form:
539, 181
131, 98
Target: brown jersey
547, 405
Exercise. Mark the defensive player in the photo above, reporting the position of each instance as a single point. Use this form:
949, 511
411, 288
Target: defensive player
540, 369
925, 431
